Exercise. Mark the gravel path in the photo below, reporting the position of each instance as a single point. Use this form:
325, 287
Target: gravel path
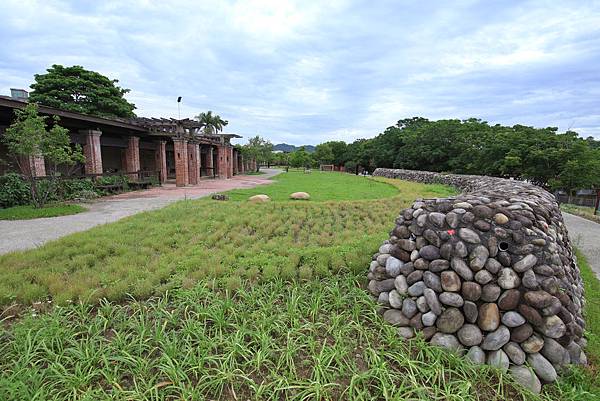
585, 235
25, 234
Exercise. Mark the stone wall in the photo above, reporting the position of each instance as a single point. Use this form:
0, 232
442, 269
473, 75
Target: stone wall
490, 273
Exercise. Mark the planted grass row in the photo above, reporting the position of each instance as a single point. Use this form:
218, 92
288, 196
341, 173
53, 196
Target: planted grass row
314, 340
191, 241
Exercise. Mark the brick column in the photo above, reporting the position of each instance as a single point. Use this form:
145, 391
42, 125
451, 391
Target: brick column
181, 162
132, 156
92, 151
193, 150
241, 163
229, 162
222, 153
161, 160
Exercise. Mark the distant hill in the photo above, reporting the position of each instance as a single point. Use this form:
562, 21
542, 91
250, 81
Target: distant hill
291, 148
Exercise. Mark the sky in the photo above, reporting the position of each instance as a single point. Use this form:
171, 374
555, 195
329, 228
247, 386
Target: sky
304, 72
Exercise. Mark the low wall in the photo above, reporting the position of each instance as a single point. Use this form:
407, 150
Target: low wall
490, 273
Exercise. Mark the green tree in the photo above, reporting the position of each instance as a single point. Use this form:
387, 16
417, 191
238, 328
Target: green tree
323, 154
80, 90
259, 149
301, 158
213, 123
29, 137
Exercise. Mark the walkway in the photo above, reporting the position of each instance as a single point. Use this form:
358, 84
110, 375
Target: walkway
26, 234
585, 235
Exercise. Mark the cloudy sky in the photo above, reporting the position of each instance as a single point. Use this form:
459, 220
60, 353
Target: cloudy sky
308, 71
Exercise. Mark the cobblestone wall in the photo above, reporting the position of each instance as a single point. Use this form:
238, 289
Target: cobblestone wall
489, 273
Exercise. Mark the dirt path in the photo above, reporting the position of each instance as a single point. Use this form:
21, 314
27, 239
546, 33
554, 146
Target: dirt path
585, 235
25, 234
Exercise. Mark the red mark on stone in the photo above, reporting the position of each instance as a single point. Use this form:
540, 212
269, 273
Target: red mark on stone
451, 232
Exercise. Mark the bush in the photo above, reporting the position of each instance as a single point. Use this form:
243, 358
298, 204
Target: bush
14, 191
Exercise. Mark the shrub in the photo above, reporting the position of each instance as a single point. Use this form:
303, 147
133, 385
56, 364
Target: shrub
14, 191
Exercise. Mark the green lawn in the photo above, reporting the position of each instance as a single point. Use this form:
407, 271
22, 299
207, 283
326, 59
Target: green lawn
29, 212
321, 186
254, 301
582, 211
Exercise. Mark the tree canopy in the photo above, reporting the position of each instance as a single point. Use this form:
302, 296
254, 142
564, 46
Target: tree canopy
259, 149
213, 123
80, 90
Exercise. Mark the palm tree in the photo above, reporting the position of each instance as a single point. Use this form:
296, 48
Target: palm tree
212, 123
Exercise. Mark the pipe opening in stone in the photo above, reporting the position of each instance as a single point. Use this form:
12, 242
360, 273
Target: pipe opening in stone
503, 246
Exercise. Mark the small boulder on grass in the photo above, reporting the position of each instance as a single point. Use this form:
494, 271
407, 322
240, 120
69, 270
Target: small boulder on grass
220, 197
300, 196
259, 198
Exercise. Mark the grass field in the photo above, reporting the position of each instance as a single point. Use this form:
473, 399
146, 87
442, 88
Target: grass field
29, 212
259, 302
582, 211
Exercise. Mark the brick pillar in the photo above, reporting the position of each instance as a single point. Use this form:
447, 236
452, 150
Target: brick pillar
222, 153
92, 151
161, 160
132, 156
241, 163
181, 162
34, 165
229, 162
234, 161
193, 150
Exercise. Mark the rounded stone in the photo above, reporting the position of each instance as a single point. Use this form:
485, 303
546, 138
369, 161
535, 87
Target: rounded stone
259, 198
526, 378
461, 268
447, 341
533, 344
450, 281
300, 196
554, 352
422, 304
470, 311
500, 218
508, 279
479, 255
512, 319
490, 292
395, 299
430, 252
438, 265
392, 266
460, 249
429, 318
531, 315
452, 219
432, 281
471, 291
496, 339
553, 327
395, 317
542, 367
409, 308
470, 335
489, 317
416, 290
509, 299
476, 355
493, 266
482, 211
525, 264
529, 280
483, 277
450, 321
451, 299
514, 353
406, 332
538, 299
401, 285
468, 235
437, 218
383, 298
432, 301
521, 333
413, 277
498, 359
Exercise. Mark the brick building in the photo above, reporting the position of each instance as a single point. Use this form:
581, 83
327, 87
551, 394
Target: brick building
173, 149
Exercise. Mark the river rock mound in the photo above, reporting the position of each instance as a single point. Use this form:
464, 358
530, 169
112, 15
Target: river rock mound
489, 273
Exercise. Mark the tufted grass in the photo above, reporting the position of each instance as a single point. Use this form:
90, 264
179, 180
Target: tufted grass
314, 340
223, 243
581, 211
